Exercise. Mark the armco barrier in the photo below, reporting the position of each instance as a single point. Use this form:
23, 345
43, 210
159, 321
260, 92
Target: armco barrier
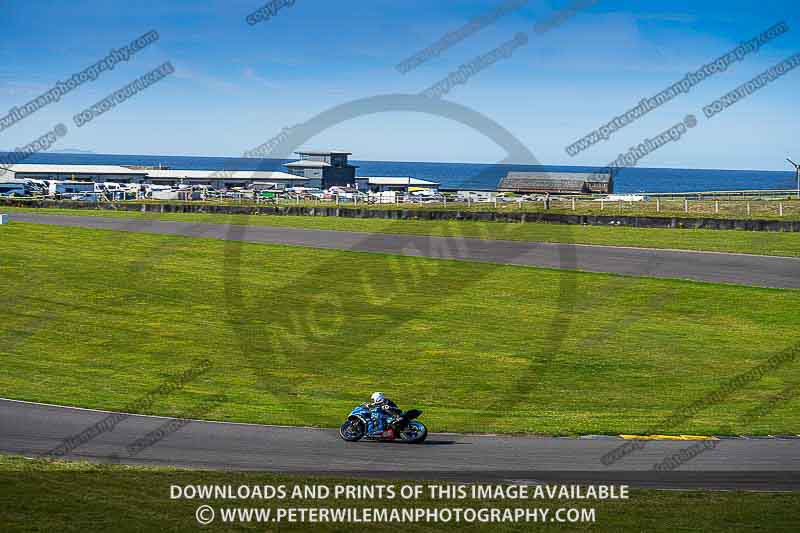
427, 214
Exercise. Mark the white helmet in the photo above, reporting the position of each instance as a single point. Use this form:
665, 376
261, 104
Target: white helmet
377, 397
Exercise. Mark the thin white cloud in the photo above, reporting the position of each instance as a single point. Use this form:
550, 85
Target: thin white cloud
250, 74
215, 83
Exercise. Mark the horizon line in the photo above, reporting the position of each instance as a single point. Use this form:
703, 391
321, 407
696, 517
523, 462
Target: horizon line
91, 153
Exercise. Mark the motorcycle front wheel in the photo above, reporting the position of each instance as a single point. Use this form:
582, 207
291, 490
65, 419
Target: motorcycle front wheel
414, 433
352, 430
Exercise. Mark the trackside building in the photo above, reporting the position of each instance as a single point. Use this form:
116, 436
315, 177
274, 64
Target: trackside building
324, 168
558, 182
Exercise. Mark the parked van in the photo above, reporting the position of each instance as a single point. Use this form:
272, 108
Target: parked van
12, 188
59, 188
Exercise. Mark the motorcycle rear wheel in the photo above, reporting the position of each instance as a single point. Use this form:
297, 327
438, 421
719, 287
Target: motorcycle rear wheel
414, 433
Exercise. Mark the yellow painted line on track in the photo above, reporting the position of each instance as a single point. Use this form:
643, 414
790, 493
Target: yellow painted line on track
668, 437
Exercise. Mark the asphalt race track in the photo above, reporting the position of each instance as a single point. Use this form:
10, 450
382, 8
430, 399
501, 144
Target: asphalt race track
763, 271
757, 464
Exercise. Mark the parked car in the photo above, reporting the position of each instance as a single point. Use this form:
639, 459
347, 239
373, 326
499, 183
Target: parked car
84, 197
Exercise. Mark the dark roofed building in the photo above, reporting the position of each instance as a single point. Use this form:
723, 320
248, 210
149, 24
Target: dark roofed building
558, 182
325, 168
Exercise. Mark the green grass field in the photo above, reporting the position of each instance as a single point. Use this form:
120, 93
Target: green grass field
299, 336
751, 242
39, 495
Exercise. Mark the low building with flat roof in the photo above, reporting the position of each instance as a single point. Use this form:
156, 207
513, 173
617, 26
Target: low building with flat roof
219, 179
558, 182
96, 173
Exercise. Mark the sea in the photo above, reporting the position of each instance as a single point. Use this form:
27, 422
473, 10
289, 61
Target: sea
453, 176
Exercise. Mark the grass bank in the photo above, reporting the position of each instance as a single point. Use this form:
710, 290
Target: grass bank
299, 336
761, 243
39, 495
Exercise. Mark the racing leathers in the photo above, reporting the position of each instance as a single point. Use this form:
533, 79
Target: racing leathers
381, 412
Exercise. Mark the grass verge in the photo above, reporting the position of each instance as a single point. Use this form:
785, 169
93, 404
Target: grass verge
38, 495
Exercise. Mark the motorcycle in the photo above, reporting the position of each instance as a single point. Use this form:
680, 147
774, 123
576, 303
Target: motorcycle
403, 427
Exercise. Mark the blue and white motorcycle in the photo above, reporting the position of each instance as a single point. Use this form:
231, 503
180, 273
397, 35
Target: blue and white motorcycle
403, 427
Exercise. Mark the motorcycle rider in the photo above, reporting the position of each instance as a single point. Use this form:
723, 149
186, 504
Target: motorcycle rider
381, 408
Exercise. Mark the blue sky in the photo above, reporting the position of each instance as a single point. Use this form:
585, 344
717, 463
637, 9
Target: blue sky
237, 85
